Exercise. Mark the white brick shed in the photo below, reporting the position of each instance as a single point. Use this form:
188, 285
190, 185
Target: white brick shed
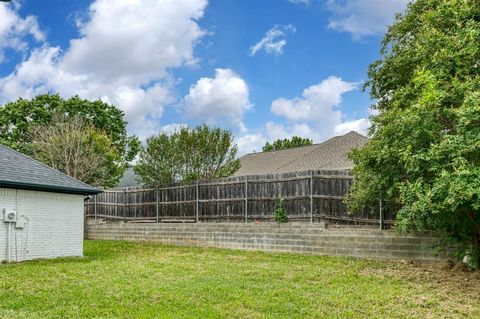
41, 209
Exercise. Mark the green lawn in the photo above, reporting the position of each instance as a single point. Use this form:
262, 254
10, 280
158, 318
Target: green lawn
129, 280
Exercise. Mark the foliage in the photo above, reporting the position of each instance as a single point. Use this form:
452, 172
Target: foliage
286, 143
280, 212
77, 149
17, 118
118, 279
187, 155
424, 155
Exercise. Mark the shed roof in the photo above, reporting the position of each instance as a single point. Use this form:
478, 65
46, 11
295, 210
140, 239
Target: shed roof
329, 155
20, 171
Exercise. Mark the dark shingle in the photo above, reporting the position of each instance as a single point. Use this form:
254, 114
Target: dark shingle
20, 171
329, 155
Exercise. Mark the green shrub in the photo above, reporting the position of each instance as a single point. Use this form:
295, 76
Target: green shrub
280, 212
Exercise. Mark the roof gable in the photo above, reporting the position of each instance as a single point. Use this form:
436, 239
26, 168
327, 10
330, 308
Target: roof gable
329, 155
20, 171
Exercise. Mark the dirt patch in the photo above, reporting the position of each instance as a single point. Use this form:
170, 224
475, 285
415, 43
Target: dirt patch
447, 272
461, 267
445, 265
442, 284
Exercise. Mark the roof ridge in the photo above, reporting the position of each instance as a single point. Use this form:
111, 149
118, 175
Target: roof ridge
298, 147
45, 165
343, 155
305, 155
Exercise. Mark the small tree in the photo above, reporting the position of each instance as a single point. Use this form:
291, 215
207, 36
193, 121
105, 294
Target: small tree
76, 149
160, 161
286, 143
187, 155
280, 212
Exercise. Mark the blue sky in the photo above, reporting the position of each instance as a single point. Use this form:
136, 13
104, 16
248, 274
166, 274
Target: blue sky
264, 69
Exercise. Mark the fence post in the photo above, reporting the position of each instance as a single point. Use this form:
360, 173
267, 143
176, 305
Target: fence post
116, 203
124, 206
135, 204
156, 205
197, 202
246, 199
381, 215
311, 198
95, 207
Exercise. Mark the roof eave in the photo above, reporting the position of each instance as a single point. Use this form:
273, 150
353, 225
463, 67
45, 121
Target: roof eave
50, 188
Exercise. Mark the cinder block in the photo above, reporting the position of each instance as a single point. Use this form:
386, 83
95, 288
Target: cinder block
291, 237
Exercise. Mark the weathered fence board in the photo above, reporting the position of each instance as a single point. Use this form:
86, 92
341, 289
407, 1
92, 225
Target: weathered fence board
309, 196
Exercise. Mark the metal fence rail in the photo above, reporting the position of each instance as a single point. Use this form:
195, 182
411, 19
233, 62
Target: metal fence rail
309, 196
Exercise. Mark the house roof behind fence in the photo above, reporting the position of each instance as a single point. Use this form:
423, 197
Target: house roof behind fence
329, 155
20, 171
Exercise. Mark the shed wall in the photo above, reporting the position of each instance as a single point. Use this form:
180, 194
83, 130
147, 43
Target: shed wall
54, 224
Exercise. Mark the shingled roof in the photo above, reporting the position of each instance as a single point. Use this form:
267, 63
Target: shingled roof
20, 171
329, 155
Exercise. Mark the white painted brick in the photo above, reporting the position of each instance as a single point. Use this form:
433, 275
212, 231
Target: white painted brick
54, 228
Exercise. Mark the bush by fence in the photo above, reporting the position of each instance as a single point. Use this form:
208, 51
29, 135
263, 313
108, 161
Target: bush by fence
309, 196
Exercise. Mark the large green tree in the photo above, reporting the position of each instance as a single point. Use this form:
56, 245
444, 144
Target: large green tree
76, 148
18, 118
286, 143
187, 155
424, 153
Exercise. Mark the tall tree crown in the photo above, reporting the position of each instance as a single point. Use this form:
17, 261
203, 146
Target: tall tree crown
424, 154
187, 155
286, 143
17, 118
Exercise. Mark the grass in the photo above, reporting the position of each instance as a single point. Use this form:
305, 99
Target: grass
132, 280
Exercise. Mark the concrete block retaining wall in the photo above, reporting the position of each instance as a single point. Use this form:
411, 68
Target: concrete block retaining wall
290, 237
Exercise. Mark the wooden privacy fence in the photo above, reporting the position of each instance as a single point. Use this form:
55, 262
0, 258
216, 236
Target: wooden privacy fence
309, 196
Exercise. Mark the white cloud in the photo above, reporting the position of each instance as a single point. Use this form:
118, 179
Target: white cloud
360, 126
250, 143
34, 75
135, 41
143, 107
315, 115
272, 131
224, 97
123, 56
363, 18
274, 40
318, 102
276, 131
15, 29
305, 2
173, 127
